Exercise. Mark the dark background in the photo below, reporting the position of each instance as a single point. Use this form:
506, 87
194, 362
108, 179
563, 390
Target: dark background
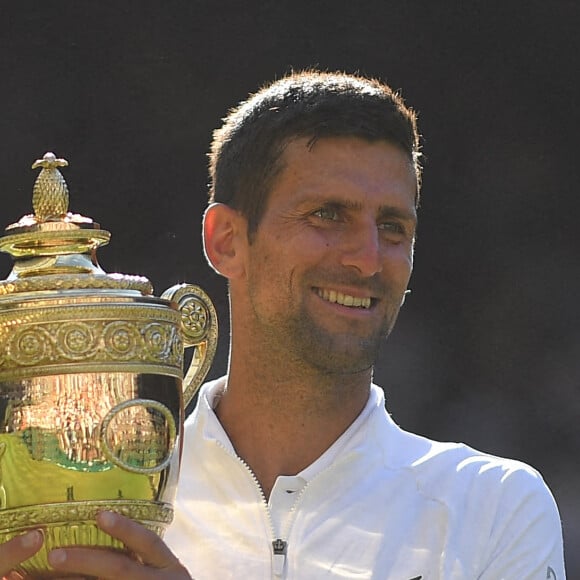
486, 349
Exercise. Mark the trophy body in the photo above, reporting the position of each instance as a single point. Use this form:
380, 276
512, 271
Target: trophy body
92, 393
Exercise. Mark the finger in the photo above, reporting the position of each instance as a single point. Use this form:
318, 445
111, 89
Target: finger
18, 549
153, 558
147, 545
96, 562
14, 576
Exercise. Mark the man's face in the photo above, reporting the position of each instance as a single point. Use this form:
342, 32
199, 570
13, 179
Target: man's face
333, 253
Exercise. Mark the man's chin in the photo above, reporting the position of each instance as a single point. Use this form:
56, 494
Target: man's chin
343, 356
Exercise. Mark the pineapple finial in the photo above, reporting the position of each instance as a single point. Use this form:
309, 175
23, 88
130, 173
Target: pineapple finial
50, 193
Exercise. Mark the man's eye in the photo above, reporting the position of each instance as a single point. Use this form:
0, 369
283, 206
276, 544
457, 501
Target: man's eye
326, 213
392, 227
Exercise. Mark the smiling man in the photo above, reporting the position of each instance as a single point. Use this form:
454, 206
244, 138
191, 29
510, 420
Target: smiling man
292, 467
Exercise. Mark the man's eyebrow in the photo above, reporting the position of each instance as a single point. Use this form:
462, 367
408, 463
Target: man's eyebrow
390, 211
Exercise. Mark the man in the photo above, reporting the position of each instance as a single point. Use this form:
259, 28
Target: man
292, 468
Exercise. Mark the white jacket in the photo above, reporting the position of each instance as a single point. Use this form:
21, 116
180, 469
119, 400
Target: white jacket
379, 504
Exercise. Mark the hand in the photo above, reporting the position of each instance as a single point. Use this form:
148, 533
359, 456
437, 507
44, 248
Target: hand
15, 551
152, 559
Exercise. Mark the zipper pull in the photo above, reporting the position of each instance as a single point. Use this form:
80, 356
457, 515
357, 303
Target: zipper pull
279, 546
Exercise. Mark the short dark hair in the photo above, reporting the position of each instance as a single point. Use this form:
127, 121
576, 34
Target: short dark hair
245, 153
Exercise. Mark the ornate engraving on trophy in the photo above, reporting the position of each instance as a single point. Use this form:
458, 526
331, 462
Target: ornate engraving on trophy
39, 342
194, 318
57, 513
121, 339
71, 282
28, 346
76, 340
157, 340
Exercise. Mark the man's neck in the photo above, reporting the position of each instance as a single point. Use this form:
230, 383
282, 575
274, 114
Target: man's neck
279, 427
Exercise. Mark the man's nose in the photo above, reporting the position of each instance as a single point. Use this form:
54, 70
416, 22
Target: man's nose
362, 249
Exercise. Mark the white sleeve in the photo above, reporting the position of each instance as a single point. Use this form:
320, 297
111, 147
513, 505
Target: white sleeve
526, 538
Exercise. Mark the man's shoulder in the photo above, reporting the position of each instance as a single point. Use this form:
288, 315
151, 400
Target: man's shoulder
440, 465
464, 458
462, 463
449, 470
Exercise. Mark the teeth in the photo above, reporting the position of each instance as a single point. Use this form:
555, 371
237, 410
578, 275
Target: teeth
344, 299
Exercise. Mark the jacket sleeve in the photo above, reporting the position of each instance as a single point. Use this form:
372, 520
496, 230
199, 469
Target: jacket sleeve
526, 539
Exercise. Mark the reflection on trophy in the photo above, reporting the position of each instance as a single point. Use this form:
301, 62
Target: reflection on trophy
92, 393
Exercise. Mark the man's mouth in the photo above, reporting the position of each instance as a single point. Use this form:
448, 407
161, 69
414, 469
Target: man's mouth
343, 299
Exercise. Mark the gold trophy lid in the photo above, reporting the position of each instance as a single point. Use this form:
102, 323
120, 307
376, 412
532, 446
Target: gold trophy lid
55, 249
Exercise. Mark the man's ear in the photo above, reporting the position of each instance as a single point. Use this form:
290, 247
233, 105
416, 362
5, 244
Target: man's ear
224, 236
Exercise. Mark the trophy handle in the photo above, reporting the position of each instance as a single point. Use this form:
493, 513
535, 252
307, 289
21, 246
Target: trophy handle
199, 329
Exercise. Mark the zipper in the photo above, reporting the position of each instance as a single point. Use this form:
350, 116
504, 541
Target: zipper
279, 545
282, 545
279, 548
